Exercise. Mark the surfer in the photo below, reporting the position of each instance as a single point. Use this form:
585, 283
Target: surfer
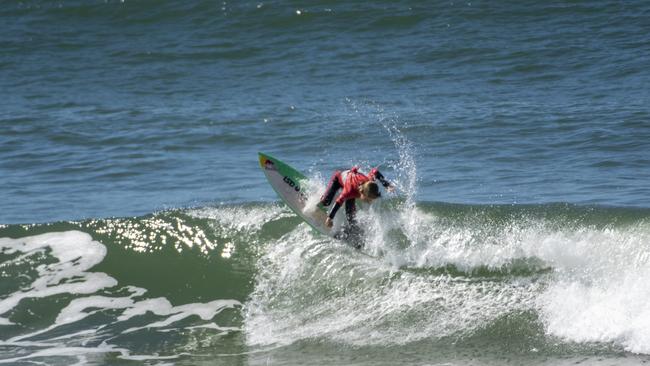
353, 185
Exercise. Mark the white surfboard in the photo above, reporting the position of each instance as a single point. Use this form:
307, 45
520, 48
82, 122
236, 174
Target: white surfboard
289, 184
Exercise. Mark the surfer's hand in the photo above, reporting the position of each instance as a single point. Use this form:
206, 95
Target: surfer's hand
390, 188
329, 222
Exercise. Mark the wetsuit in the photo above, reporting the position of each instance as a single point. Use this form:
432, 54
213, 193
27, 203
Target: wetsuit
349, 181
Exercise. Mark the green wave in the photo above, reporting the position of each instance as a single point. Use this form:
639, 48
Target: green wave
213, 251
439, 274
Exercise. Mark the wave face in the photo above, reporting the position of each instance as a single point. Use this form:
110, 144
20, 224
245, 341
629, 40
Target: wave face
251, 283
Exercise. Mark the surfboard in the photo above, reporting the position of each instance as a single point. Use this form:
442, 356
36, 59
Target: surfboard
290, 185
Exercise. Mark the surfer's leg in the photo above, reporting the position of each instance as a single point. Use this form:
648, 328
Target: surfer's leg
353, 232
351, 211
336, 182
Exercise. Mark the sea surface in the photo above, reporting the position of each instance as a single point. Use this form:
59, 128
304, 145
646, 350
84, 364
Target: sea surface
136, 227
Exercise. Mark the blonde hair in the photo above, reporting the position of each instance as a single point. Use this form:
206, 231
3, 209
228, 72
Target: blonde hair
370, 190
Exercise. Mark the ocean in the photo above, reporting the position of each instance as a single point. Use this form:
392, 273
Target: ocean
136, 227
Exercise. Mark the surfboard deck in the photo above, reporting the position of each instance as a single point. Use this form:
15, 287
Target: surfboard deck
289, 184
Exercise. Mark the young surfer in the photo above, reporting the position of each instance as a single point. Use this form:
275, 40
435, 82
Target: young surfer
353, 185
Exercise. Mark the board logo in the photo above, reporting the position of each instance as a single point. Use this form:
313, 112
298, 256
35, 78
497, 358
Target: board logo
268, 165
291, 183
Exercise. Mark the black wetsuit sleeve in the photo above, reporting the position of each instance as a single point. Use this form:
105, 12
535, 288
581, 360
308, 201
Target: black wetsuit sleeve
382, 180
334, 209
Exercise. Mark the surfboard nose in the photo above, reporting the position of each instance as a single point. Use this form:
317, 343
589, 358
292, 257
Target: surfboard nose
263, 159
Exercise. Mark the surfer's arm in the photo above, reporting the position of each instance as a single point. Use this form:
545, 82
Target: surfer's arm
334, 210
329, 222
375, 174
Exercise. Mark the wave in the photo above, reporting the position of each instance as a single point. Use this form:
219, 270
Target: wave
457, 271
256, 276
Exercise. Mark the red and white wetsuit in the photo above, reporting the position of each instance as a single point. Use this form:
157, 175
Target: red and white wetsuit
349, 181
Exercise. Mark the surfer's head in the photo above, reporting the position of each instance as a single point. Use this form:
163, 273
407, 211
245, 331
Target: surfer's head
369, 191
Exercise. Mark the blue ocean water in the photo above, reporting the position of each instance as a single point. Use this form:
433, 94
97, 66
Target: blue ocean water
120, 108
518, 133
